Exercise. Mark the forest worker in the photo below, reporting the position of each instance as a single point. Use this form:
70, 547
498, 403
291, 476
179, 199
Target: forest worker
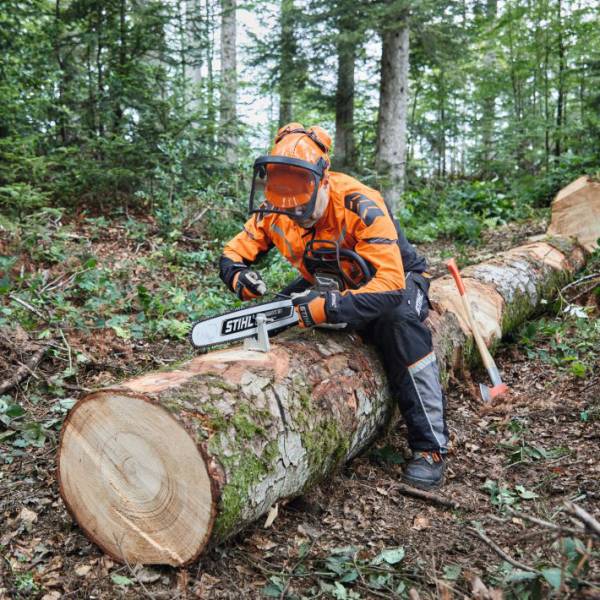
304, 203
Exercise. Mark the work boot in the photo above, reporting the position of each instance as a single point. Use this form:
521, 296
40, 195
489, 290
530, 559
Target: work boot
425, 470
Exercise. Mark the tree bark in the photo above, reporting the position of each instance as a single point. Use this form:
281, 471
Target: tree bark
195, 41
393, 112
344, 157
287, 74
488, 108
156, 468
228, 112
560, 100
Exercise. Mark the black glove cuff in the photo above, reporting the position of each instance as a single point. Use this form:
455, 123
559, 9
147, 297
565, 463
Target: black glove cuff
332, 306
239, 288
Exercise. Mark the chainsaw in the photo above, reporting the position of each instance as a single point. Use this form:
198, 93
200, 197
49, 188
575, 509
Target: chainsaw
254, 323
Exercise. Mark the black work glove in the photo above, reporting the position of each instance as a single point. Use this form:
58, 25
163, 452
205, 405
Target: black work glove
248, 284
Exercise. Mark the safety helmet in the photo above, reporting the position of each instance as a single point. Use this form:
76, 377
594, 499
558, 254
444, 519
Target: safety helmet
287, 180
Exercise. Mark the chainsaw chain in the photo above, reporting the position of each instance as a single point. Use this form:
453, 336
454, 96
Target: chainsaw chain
205, 349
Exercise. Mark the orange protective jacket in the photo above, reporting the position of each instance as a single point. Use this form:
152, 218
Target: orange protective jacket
358, 218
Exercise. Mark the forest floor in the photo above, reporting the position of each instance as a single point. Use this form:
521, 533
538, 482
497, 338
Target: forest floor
355, 536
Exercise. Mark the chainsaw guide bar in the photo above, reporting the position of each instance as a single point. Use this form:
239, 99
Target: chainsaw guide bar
242, 323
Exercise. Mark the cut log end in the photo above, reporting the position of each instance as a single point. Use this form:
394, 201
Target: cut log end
135, 480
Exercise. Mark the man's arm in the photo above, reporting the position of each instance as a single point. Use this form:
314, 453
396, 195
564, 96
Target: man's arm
377, 242
240, 252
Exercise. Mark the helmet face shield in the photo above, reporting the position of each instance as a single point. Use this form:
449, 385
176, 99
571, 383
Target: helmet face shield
285, 185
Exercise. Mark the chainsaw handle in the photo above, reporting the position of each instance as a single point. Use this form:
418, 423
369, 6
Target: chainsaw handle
453, 268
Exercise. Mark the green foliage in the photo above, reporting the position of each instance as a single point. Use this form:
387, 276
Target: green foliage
539, 189
521, 450
573, 557
569, 343
502, 495
121, 580
20, 431
347, 574
459, 211
386, 455
94, 107
20, 198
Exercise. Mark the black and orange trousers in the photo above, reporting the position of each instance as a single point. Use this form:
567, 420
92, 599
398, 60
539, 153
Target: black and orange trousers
405, 345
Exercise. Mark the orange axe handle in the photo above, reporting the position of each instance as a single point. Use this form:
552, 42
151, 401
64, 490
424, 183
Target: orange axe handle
488, 361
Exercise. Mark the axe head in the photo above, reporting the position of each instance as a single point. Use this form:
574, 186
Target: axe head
489, 393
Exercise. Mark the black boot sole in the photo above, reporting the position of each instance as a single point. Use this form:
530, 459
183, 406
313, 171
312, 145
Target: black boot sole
423, 484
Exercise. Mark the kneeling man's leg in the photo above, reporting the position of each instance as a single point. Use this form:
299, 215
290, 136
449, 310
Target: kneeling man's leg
406, 345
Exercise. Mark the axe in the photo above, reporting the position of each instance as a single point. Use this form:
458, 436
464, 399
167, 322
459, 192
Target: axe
499, 388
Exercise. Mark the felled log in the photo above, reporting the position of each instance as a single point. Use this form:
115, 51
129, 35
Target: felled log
576, 212
155, 469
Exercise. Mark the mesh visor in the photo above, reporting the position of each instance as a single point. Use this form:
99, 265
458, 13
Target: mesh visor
288, 187
284, 185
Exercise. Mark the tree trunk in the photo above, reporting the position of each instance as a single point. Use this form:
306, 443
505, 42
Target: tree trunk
560, 100
228, 113
488, 108
344, 157
210, 80
393, 112
156, 468
195, 41
287, 74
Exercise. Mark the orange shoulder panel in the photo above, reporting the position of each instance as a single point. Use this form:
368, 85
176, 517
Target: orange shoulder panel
370, 224
251, 241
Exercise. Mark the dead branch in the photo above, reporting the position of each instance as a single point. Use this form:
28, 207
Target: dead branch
27, 306
542, 522
585, 292
509, 559
588, 520
23, 370
407, 490
579, 281
198, 216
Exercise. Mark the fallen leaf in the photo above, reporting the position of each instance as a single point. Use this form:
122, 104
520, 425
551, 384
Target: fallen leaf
121, 579
264, 543
478, 589
309, 531
83, 570
272, 515
444, 592
27, 516
7, 537
146, 575
51, 596
204, 586
421, 522
183, 578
